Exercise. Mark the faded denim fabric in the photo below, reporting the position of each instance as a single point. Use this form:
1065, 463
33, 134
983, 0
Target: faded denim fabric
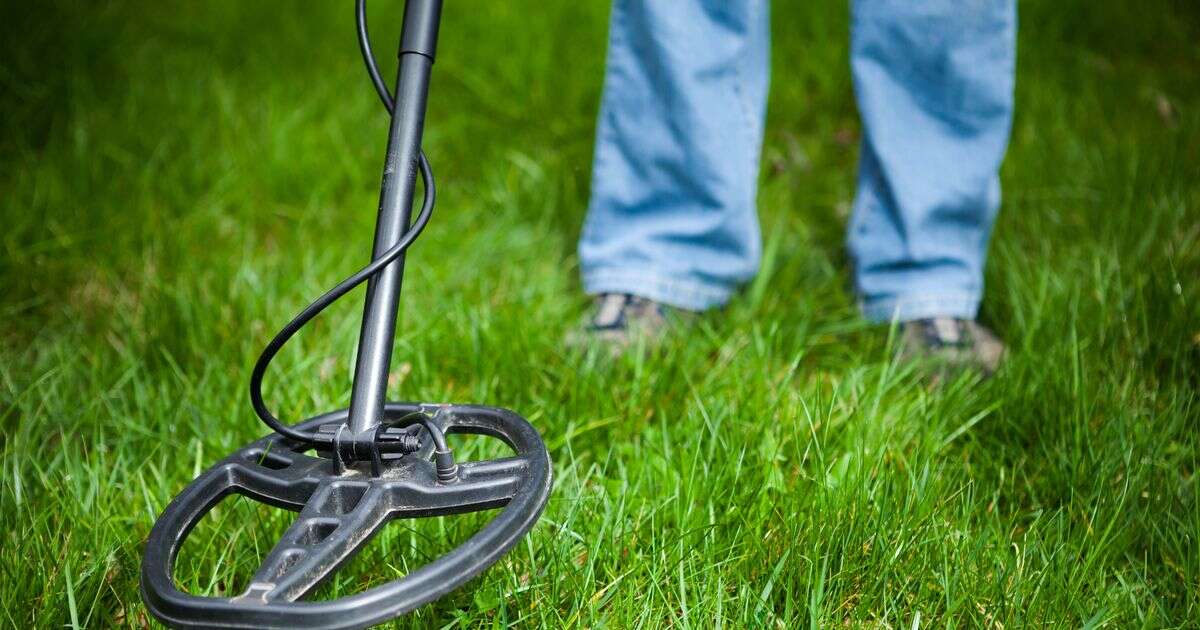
672, 212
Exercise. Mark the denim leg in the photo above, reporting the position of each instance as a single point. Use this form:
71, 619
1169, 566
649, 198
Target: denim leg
934, 81
672, 212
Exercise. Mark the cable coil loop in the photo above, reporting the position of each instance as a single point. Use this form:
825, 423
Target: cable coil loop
362, 275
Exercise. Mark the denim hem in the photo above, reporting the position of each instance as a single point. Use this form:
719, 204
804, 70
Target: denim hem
687, 294
920, 306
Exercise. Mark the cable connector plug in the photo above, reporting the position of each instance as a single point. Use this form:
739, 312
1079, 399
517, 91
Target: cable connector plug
443, 457
447, 470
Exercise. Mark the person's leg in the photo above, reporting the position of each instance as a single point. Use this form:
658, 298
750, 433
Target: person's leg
934, 81
672, 213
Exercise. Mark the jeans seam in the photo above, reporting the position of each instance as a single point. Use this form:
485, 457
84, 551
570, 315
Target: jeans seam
616, 40
743, 95
687, 293
920, 305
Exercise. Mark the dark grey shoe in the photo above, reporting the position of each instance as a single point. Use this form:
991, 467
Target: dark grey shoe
953, 343
619, 320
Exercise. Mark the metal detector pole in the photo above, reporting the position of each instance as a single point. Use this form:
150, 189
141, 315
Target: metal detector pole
418, 41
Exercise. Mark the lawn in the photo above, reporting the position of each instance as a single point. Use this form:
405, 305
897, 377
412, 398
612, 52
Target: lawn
177, 179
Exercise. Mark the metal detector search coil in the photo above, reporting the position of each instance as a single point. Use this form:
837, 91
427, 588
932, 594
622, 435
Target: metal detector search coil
374, 461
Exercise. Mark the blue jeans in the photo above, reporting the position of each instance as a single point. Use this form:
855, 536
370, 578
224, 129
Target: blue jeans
672, 213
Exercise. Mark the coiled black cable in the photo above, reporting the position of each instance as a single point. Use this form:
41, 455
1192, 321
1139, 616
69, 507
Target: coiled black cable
345, 286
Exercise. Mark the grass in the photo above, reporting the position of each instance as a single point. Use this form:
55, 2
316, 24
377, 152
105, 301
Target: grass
177, 180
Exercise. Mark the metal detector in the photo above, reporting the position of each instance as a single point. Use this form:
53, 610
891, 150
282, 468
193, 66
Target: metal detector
375, 461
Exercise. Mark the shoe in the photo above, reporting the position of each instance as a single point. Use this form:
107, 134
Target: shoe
954, 343
619, 320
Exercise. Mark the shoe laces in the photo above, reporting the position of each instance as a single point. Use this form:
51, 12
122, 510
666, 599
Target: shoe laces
944, 331
610, 311
617, 311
